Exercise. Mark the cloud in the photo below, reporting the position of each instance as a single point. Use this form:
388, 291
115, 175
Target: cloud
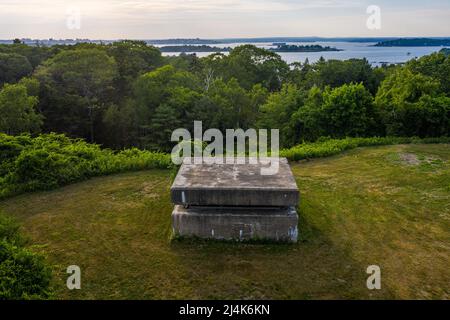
51, 7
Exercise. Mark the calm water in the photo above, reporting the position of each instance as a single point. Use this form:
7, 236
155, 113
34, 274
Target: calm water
375, 55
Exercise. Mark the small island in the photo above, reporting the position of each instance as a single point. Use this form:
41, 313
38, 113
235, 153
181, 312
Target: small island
414, 42
192, 48
308, 48
195, 41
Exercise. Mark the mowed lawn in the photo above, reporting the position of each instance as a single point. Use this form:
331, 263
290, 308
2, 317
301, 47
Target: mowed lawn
386, 206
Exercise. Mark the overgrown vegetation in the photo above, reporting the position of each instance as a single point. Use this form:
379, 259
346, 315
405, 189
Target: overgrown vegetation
23, 274
52, 160
326, 147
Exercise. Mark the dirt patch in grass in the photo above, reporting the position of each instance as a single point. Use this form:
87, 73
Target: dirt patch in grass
419, 159
409, 158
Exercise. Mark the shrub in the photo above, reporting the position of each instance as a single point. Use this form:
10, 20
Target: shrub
52, 160
23, 274
9, 229
327, 147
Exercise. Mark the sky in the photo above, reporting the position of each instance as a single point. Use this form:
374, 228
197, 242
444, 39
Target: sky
159, 19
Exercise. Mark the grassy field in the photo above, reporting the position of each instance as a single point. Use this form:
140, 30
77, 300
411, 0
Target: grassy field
386, 206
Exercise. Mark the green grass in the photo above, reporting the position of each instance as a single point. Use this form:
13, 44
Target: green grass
363, 207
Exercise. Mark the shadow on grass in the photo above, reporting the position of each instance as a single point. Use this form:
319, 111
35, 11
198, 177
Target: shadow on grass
313, 268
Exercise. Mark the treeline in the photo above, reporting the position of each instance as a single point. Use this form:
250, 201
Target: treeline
414, 42
48, 161
127, 94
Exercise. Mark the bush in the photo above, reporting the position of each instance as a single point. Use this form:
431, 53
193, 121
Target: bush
23, 274
327, 147
346, 111
9, 230
52, 160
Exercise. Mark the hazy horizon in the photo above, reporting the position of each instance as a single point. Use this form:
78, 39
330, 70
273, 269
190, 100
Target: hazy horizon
225, 38
162, 19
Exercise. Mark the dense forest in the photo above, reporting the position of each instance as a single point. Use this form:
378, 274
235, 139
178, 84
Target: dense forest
127, 94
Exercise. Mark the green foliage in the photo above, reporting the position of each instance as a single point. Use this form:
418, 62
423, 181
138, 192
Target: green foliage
153, 88
436, 65
120, 126
167, 99
250, 65
133, 59
327, 147
232, 105
279, 112
23, 273
411, 104
9, 230
34, 54
341, 112
335, 73
52, 160
49, 161
77, 85
13, 67
126, 94
17, 109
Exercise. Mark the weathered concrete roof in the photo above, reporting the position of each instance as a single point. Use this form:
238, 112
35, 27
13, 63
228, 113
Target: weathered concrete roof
234, 184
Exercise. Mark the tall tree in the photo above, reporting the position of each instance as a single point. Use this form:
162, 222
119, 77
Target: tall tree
437, 66
133, 58
335, 73
17, 110
278, 113
403, 101
13, 67
164, 98
340, 112
250, 65
77, 87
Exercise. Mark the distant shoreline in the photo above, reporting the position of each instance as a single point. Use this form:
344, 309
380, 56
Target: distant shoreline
279, 48
198, 41
193, 48
416, 42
